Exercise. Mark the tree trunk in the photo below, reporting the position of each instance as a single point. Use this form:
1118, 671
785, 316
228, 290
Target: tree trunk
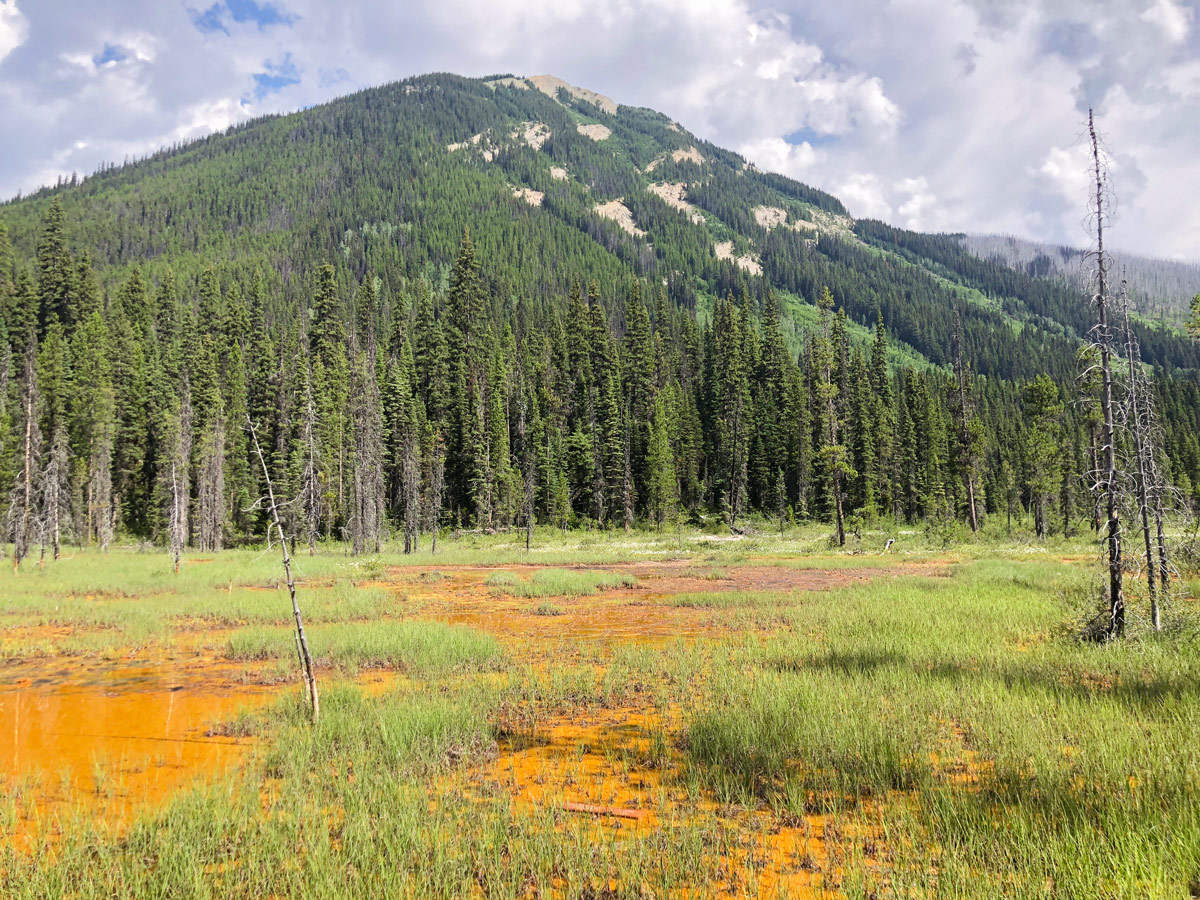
1116, 595
305, 657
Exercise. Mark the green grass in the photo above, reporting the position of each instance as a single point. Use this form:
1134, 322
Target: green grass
884, 695
733, 599
957, 738
560, 582
419, 649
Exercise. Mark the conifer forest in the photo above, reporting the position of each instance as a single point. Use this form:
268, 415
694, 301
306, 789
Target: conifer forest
454, 369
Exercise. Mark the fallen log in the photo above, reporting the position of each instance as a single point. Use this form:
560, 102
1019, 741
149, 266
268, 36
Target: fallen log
594, 810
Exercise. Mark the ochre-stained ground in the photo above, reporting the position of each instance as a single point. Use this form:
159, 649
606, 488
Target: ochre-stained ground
108, 735
114, 735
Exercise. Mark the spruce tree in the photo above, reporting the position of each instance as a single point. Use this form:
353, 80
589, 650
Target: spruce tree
368, 509
56, 270
330, 382
1043, 447
663, 488
828, 351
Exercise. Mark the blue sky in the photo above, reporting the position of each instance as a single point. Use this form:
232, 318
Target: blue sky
956, 115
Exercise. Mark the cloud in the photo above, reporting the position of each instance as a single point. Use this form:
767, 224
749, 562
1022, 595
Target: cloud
957, 115
14, 28
1172, 19
1184, 80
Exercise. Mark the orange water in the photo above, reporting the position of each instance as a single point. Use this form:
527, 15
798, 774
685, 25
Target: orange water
114, 736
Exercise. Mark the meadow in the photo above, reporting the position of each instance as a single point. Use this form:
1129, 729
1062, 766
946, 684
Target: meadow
610, 715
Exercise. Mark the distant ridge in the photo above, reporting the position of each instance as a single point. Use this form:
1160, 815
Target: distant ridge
1155, 284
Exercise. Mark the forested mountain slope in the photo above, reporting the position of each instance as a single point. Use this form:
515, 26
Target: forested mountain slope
638, 322
552, 188
1161, 288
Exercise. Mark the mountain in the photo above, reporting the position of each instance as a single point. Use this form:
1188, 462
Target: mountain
1160, 288
556, 183
431, 292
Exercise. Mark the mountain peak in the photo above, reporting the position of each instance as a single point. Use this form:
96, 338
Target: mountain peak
550, 85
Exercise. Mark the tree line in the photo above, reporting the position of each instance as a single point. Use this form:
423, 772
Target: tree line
387, 412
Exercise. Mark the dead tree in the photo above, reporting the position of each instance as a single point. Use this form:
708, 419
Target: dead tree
1140, 418
780, 499
1134, 419
310, 679
181, 452
176, 535
966, 441
55, 494
100, 494
1102, 339
437, 484
627, 499
310, 486
210, 501
21, 498
411, 484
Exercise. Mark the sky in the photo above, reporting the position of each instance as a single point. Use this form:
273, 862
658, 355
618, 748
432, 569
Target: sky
936, 115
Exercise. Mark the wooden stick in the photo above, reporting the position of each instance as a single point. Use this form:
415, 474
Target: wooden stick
619, 812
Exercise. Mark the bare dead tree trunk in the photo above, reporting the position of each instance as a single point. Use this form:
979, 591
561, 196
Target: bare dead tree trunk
310, 489
175, 530
1164, 561
412, 492
627, 487
106, 503
968, 460
437, 486
780, 499
21, 503
1103, 338
56, 493
181, 453
306, 657
211, 502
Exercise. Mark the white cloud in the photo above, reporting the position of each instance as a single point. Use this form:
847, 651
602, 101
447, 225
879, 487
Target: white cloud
1184, 80
14, 28
205, 118
775, 154
1172, 19
919, 206
864, 195
1065, 170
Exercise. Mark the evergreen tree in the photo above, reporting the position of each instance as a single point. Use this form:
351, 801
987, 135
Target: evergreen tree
827, 354
369, 508
56, 270
330, 381
730, 408
1043, 447
663, 489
